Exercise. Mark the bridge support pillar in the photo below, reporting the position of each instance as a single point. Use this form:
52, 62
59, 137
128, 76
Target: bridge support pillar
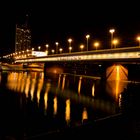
116, 72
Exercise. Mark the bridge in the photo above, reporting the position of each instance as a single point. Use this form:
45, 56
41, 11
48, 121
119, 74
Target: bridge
103, 63
129, 54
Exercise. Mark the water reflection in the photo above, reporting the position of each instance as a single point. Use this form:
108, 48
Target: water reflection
48, 106
32, 83
67, 111
55, 106
116, 80
84, 114
23, 81
27, 85
59, 81
79, 84
39, 87
93, 89
33, 86
63, 82
48, 86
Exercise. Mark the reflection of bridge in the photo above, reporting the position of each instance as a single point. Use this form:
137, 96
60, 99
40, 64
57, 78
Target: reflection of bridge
118, 54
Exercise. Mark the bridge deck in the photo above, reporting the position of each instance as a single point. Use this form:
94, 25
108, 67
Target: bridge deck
123, 54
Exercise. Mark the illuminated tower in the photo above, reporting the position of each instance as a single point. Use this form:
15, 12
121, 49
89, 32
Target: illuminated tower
22, 37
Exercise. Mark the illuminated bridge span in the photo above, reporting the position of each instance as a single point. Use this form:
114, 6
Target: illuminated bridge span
118, 54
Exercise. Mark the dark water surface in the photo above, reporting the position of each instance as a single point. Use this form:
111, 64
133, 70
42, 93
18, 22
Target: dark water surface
31, 104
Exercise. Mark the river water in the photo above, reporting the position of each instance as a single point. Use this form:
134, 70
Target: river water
31, 104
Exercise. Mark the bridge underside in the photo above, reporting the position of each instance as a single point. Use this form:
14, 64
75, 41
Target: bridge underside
101, 69
82, 68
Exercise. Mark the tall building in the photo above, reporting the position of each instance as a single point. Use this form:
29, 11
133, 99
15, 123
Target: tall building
22, 38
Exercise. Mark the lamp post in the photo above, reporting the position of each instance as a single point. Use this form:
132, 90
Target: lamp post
70, 48
56, 43
39, 47
115, 42
112, 32
47, 46
138, 39
60, 50
96, 44
81, 47
87, 37
53, 51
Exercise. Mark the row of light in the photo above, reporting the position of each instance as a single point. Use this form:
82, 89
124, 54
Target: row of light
114, 42
79, 57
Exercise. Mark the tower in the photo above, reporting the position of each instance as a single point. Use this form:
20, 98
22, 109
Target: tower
22, 37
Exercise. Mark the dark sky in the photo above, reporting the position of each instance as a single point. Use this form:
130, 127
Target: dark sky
57, 20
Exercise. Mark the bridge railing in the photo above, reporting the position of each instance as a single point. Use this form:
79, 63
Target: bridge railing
106, 54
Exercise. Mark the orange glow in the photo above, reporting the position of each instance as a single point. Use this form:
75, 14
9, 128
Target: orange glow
55, 70
27, 86
84, 114
67, 111
79, 85
116, 77
12, 81
48, 85
55, 106
40, 85
93, 90
19, 82
23, 81
59, 80
33, 83
138, 38
46, 100
63, 82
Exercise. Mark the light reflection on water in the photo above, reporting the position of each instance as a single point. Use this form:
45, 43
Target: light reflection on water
33, 82
48, 86
55, 105
115, 88
84, 114
77, 95
67, 111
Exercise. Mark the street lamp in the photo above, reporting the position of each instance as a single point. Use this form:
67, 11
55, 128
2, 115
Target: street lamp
39, 47
47, 49
112, 32
47, 46
69, 40
115, 42
138, 39
60, 50
87, 37
70, 48
81, 47
53, 51
56, 43
96, 44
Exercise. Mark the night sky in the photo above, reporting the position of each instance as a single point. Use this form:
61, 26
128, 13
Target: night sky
52, 21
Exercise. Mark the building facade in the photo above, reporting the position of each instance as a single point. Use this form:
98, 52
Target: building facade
23, 38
